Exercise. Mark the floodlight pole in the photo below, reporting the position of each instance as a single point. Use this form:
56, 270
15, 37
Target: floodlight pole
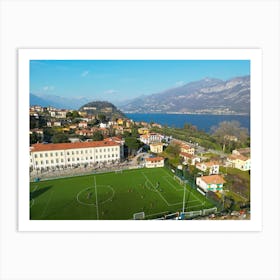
183, 210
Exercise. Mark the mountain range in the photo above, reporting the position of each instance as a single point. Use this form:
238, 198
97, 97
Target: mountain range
58, 101
211, 96
206, 96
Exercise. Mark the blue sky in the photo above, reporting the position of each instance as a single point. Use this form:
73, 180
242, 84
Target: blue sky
117, 80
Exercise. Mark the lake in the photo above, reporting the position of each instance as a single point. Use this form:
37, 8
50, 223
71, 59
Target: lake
202, 122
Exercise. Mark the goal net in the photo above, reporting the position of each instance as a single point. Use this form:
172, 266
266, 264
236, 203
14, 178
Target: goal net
118, 171
179, 180
139, 216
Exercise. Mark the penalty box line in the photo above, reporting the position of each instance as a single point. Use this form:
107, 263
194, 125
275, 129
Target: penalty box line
177, 190
156, 189
197, 198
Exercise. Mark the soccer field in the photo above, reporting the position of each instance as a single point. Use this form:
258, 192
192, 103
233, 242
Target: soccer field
112, 196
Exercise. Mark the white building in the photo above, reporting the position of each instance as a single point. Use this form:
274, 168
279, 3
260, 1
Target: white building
154, 162
211, 167
240, 162
151, 138
212, 183
73, 154
189, 158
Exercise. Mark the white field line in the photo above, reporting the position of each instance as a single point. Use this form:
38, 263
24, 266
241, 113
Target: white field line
32, 202
156, 189
197, 205
32, 199
36, 187
97, 214
47, 204
93, 204
177, 190
197, 198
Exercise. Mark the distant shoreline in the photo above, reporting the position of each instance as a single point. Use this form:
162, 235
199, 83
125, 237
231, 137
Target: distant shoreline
179, 113
202, 121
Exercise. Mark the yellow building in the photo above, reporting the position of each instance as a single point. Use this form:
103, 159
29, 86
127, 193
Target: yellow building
143, 130
156, 147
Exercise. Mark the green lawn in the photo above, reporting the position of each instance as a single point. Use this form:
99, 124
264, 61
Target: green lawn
112, 196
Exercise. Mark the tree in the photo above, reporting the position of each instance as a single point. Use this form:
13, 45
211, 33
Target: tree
97, 136
173, 150
60, 138
101, 117
33, 138
229, 132
132, 144
48, 133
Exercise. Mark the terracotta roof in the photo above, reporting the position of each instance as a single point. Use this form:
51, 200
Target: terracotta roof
66, 146
155, 159
240, 157
210, 163
186, 155
213, 179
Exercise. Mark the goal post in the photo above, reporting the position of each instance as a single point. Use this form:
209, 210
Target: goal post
139, 216
179, 180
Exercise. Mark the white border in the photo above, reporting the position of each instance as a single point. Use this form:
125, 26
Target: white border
254, 55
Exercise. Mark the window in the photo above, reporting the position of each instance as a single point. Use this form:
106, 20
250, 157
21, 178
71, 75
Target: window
82, 152
72, 152
78, 159
41, 155
104, 156
100, 150
104, 150
68, 159
113, 155
86, 151
56, 154
90, 157
61, 153
96, 157
47, 161
57, 160
68, 153
100, 156
62, 160
42, 162
36, 162
35, 155
46, 154
51, 161
51, 154
77, 152
73, 159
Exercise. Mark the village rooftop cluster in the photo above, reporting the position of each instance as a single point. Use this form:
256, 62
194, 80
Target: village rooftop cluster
78, 147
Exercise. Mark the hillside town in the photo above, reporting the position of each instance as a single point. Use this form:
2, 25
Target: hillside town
72, 142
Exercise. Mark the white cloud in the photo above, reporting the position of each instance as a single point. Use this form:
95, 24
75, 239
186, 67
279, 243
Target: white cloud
111, 91
85, 73
48, 88
179, 83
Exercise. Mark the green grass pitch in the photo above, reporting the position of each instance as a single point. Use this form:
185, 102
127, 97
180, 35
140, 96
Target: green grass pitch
112, 196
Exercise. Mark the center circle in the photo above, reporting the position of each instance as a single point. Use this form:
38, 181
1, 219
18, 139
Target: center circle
95, 195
